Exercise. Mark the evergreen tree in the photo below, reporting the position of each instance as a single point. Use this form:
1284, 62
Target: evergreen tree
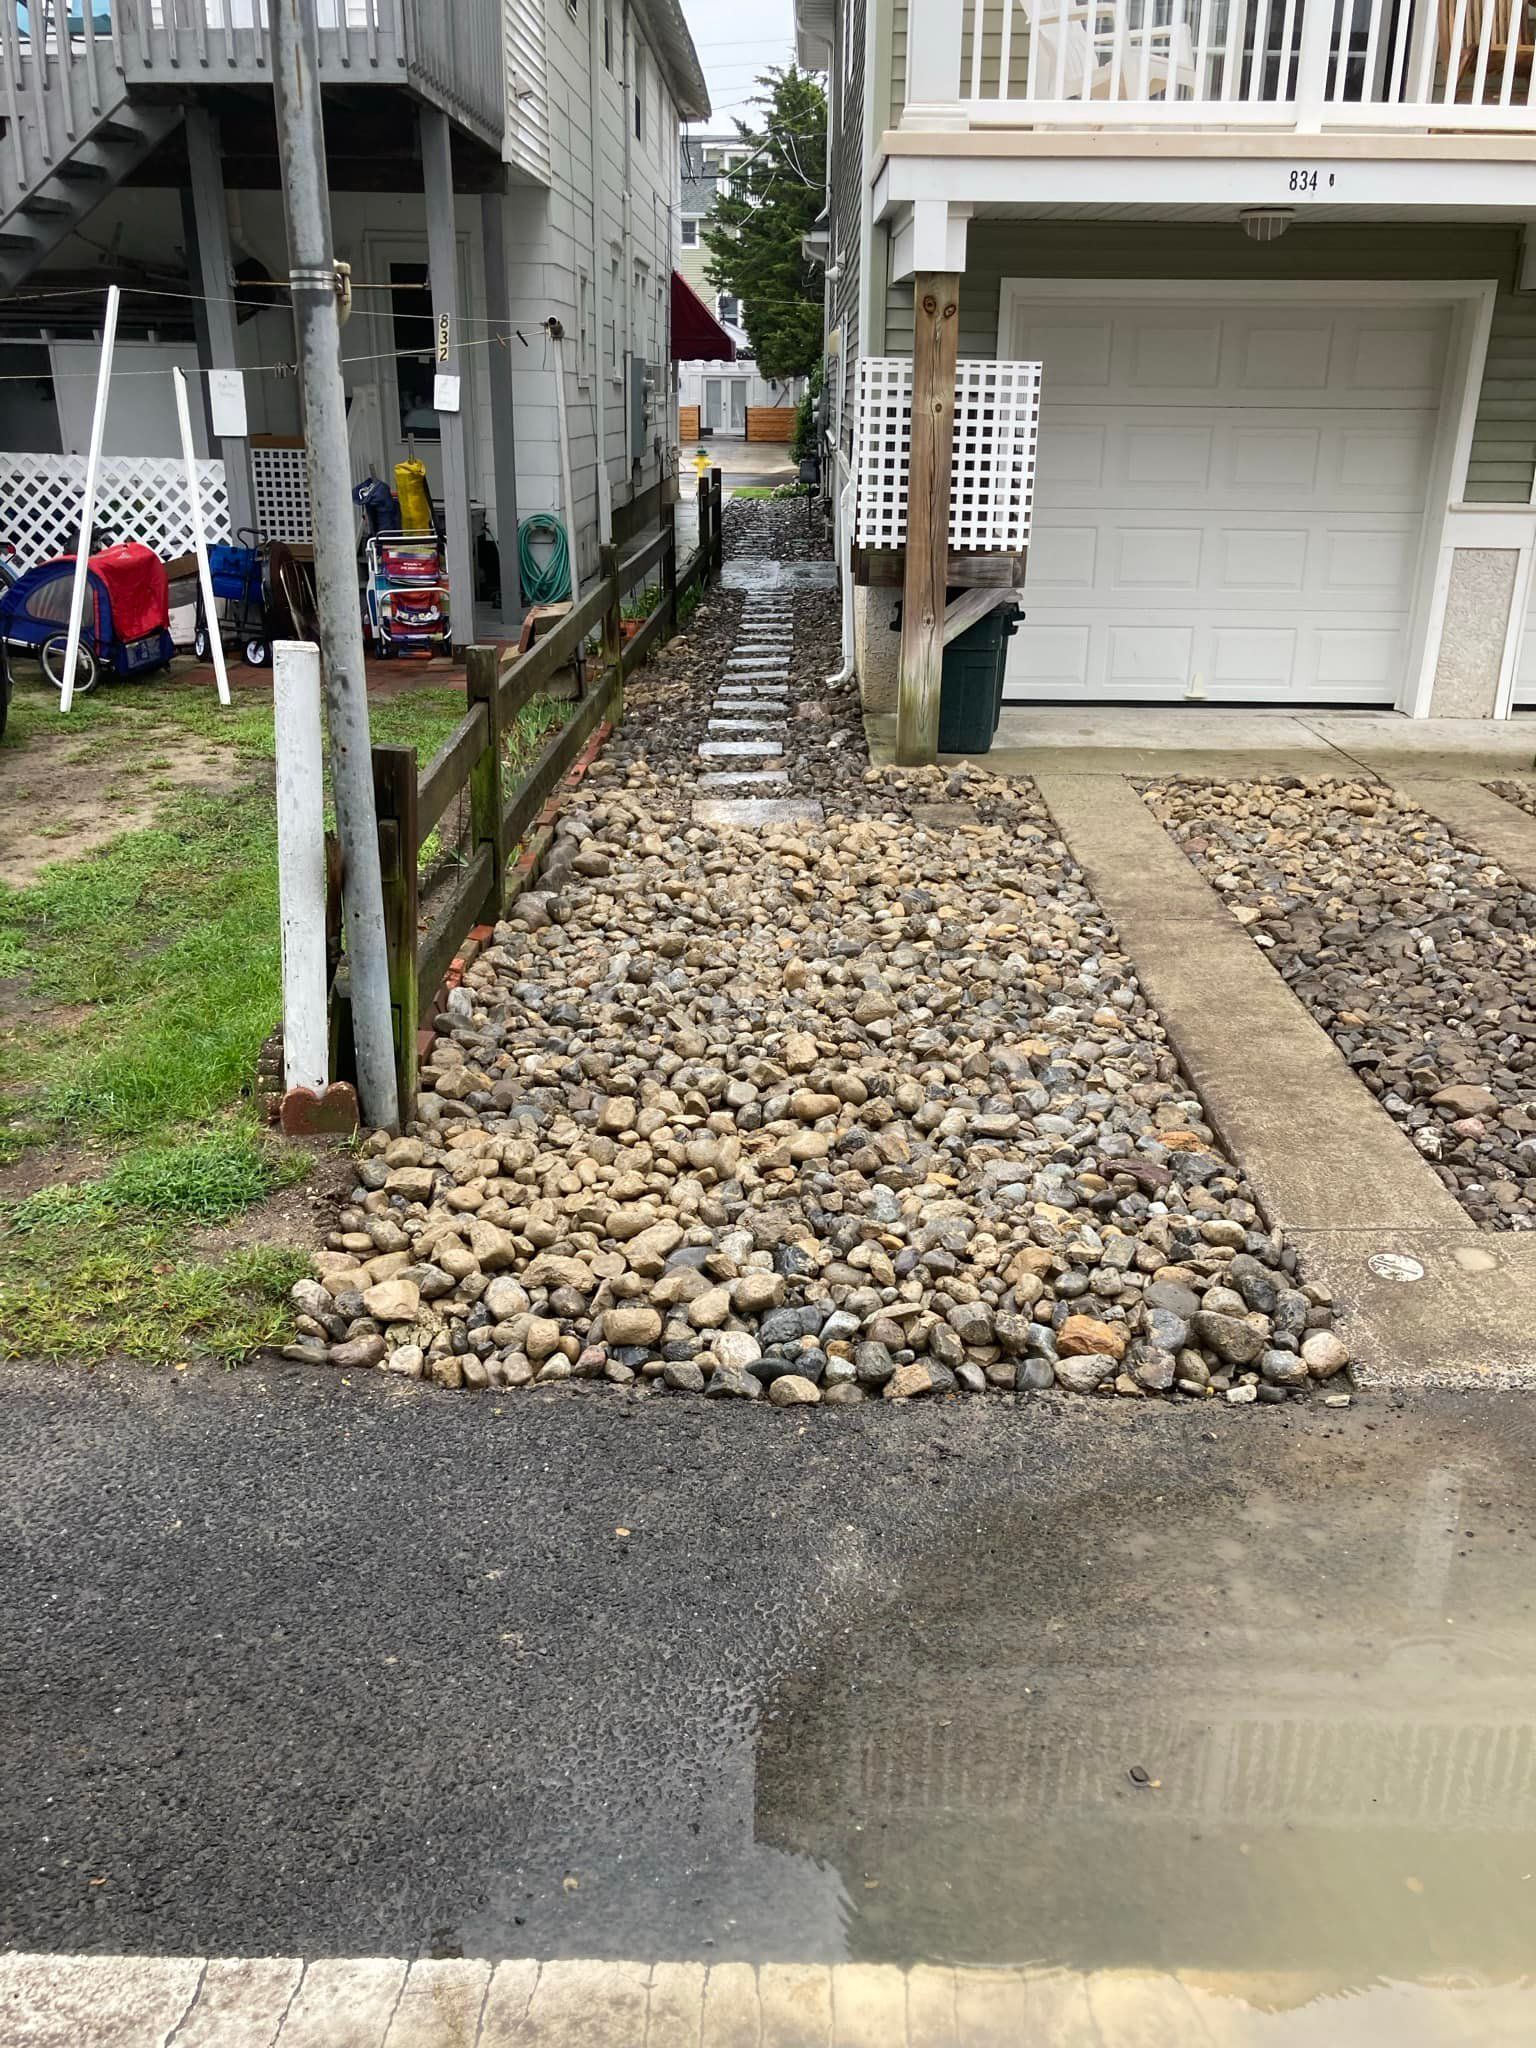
754, 227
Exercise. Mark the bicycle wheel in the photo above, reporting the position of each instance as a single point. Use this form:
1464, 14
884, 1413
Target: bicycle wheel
87, 667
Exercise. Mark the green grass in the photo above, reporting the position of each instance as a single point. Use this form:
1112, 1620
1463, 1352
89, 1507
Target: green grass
148, 977
769, 490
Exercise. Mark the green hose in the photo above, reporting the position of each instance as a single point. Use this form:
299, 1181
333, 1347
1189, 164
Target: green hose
543, 582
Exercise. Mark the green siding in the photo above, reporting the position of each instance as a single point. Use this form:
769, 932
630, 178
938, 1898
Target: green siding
1503, 458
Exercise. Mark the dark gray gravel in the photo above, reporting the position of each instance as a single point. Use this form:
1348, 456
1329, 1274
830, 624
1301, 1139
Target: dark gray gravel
1415, 953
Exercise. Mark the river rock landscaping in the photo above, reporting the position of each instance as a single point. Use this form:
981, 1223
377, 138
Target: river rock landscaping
1416, 955
867, 1107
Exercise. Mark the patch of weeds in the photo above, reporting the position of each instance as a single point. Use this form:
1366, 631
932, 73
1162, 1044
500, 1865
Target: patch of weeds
641, 607
204, 1179
688, 604
71, 1293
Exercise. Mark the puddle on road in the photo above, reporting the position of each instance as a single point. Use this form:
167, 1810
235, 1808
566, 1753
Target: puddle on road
1332, 1697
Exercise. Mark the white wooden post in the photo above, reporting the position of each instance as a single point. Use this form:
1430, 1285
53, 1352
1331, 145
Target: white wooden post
301, 862
1314, 50
88, 508
934, 29
199, 537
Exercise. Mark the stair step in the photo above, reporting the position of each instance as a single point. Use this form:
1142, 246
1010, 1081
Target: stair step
8, 240
43, 208
76, 170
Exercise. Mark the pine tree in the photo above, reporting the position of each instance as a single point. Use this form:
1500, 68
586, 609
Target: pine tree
754, 226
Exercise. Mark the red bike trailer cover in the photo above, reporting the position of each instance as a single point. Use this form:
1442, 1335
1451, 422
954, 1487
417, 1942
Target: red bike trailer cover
139, 589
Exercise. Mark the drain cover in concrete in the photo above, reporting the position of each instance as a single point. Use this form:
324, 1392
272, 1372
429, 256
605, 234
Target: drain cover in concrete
749, 811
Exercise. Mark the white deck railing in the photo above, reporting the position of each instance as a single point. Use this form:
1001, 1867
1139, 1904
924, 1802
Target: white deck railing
1288, 64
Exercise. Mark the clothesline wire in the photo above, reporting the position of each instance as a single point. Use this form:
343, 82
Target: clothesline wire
397, 355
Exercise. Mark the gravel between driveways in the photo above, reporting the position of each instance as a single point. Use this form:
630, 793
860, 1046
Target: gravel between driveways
1415, 953
860, 1106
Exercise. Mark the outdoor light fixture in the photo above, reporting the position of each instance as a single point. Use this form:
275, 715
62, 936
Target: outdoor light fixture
1266, 223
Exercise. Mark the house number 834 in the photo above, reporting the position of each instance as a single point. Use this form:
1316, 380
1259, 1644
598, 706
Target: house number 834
1302, 180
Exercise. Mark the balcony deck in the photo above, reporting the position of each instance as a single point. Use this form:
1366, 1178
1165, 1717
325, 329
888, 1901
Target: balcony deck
1303, 67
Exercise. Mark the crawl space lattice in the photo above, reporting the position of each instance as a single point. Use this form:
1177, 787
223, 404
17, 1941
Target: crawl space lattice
997, 431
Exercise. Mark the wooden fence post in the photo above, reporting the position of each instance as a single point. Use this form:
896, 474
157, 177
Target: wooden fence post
482, 685
717, 518
706, 552
669, 568
394, 789
613, 631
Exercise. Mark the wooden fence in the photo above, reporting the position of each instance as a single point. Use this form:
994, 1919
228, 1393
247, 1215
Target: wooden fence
497, 686
771, 422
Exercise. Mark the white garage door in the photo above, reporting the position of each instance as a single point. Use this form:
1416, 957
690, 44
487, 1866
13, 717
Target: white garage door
1229, 498
1525, 672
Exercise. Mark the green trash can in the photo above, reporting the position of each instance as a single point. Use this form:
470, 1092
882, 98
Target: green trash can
971, 697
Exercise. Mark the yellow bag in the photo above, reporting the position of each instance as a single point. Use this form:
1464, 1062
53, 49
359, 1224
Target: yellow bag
415, 499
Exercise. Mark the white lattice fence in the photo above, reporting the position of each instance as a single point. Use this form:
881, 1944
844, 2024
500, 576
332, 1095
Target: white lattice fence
138, 497
997, 431
280, 495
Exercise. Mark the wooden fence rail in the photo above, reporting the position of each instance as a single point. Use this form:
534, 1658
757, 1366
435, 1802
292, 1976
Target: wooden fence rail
497, 686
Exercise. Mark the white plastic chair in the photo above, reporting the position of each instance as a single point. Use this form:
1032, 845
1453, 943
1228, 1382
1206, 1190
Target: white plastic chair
1074, 46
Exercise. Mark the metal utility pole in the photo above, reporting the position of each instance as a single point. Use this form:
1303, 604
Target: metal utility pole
317, 322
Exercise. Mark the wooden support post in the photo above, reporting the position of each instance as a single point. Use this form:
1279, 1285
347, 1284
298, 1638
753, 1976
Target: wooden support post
705, 552
613, 632
669, 568
482, 685
394, 790
934, 349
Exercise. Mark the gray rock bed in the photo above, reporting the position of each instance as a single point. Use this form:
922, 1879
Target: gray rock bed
1522, 794
868, 1109
1416, 954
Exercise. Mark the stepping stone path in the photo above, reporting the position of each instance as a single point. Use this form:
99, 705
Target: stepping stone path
742, 751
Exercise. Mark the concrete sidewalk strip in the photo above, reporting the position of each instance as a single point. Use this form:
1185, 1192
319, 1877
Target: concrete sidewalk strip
440, 2006
344, 2002
1326, 1162
1488, 823
168, 2001
242, 2002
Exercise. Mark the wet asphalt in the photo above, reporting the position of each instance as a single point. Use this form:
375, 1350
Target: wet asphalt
293, 1665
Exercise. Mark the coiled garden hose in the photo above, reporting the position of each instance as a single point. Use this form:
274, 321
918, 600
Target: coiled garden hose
543, 582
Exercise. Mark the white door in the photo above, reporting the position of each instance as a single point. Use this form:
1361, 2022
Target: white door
1229, 498
714, 404
739, 406
1525, 670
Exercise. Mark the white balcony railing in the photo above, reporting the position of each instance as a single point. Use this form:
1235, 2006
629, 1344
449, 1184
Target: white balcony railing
1287, 64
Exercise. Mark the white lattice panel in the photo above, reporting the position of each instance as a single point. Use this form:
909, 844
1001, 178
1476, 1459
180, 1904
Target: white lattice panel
997, 432
138, 497
280, 495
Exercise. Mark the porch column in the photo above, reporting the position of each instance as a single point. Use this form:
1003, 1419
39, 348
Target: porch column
935, 345
443, 273
217, 345
498, 309
934, 29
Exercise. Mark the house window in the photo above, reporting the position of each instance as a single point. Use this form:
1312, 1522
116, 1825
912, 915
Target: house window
415, 350
641, 84
608, 33
690, 231
615, 367
728, 307
583, 327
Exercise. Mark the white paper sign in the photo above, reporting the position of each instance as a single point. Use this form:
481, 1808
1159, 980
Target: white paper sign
445, 391
226, 397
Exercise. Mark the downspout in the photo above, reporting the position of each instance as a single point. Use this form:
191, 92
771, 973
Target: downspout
844, 531
628, 277
599, 371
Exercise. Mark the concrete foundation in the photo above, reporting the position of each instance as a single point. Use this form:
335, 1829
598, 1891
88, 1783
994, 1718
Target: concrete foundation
1474, 632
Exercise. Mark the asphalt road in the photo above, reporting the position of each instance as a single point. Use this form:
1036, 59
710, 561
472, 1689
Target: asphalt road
296, 1666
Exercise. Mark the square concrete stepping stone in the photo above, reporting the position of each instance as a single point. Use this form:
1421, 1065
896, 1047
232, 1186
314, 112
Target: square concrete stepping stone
725, 749
747, 811
746, 725
745, 778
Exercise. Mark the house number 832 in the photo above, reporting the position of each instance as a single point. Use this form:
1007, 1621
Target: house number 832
1308, 181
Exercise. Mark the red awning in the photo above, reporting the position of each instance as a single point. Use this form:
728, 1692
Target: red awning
697, 336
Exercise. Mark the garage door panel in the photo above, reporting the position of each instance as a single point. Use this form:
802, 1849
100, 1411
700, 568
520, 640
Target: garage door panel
1254, 658
1266, 559
1234, 510
1367, 562
1157, 558
1063, 558
1274, 356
